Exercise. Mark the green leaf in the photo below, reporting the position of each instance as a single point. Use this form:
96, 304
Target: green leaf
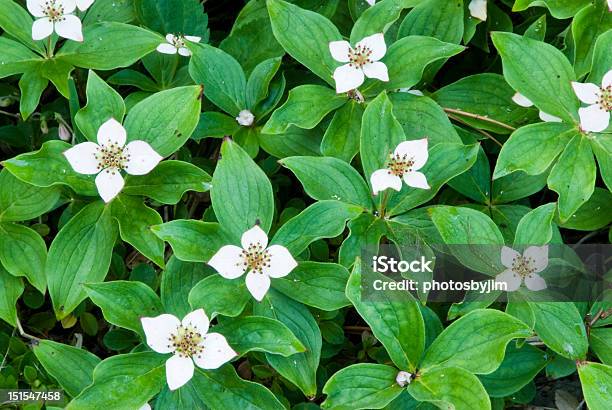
451, 387
361, 386
601, 58
341, 139
20, 201
103, 103
588, 24
80, 253
130, 379
259, 81
223, 79
31, 84
377, 19
560, 9
441, 19
294, 142
215, 125
173, 16
48, 166
23, 253
123, 303
12, 288
600, 342
105, 47
589, 217
342, 182
192, 241
475, 183
395, 319
241, 193
121, 11
320, 285
72, 367
602, 148
135, 220
476, 342
305, 35
596, 380
219, 296
306, 106
323, 219
536, 227
165, 119
560, 326
177, 280
17, 22
300, 368
15, 57
573, 176
259, 334
365, 230
540, 72
516, 186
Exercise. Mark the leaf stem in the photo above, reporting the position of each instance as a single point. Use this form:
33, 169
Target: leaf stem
479, 117
49, 49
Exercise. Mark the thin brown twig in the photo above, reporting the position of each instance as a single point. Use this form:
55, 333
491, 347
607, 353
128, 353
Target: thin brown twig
483, 132
479, 117
10, 114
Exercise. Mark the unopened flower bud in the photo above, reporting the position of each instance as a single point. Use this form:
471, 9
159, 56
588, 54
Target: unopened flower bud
245, 118
64, 133
403, 378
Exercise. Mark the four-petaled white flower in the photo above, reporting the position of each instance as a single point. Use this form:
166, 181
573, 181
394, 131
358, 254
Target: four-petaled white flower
523, 267
55, 15
110, 156
595, 117
190, 342
261, 262
403, 378
362, 62
404, 163
245, 118
176, 44
523, 101
478, 9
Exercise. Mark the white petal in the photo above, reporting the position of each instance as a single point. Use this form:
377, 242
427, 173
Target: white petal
376, 44
376, 70
197, 319
340, 50
82, 158
281, 262
142, 158
68, 5
403, 378
258, 284
511, 279
418, 93
179, 370
158, 330
166, 48
109, 183
383, 179
593, 118
508, 255
521, 100
372, 2
41, 28
216, 352
415, 149
145, 406
254, 236
35, 7
587, 92
478, 9
112, 132
228, 262
170, 38
347, 78
416, 180
609, 5
70, 28
535, 282
607, 78
184, 51
539, 254
549, 118
84, 4
193, 39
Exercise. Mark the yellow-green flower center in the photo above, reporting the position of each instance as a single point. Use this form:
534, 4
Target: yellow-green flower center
255, 258
523, 266
605, 98
55, 12
360, 56
186, 341
112, 156
400, 164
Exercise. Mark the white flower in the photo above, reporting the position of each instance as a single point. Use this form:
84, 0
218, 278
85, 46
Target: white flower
190, 342
403, 378
176, 44
55, 15
595, 117
406, 160
110, 156
523, 267
64, 133
84, 4
362, 62
245, 118
478, 9
523, 101
261, 262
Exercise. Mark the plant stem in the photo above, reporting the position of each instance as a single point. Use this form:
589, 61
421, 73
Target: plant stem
483, 132
23, 333
383, 203
49, 49
479, 117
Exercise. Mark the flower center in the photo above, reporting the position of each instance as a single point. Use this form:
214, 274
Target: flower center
55, 12
178, 41
360, 56
112, 156
255, 257
400, 164
186, 340
523, 266
605, 98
